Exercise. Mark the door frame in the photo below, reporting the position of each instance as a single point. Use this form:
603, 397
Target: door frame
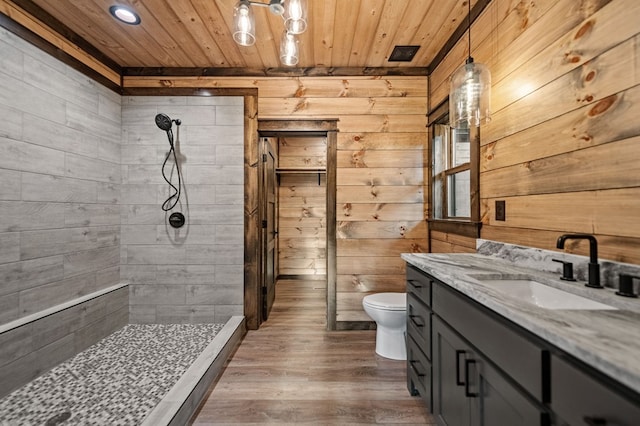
329, 129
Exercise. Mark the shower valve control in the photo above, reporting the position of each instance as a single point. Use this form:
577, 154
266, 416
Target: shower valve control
176, 220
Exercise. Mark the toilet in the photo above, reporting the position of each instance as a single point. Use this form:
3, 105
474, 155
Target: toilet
388, 310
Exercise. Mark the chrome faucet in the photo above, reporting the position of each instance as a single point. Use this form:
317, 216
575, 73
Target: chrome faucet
594, 267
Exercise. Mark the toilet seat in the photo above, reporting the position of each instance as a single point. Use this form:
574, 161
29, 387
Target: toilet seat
387, 301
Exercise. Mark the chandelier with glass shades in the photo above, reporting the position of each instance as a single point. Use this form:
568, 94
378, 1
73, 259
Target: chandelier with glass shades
294, 14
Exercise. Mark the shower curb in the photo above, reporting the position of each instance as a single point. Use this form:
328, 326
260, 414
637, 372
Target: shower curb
181, 402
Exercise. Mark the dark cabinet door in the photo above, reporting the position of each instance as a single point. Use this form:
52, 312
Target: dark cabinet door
469, 390
451, 406
579, 398
496, 401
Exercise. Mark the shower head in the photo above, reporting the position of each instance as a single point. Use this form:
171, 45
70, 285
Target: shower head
163, 122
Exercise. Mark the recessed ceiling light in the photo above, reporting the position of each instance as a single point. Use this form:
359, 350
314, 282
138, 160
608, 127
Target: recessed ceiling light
125, 14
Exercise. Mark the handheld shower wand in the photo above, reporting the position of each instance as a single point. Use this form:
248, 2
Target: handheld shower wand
165, 123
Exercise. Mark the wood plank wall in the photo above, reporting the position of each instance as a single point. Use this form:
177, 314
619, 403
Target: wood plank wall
563, 146
302, 211
380, 171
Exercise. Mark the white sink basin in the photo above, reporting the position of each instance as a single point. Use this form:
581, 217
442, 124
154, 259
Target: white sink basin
545, 296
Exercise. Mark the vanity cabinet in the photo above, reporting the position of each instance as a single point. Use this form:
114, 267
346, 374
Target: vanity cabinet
453, 347
419, 334
473, 366
478, 374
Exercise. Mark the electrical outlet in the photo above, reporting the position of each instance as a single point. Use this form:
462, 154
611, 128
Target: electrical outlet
501, 210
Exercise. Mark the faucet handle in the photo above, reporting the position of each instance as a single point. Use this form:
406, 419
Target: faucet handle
567, 270
625, 286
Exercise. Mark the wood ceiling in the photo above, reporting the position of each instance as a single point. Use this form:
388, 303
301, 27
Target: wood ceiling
355, 34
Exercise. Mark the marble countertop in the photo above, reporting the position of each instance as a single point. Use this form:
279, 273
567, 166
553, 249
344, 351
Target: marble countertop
608, 340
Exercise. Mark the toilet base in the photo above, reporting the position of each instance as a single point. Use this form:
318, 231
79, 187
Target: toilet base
391, 343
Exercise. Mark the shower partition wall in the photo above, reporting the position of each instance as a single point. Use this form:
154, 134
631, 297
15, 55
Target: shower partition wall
192, 274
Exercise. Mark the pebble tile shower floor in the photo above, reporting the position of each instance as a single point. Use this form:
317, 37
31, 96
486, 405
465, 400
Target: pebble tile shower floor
117, 381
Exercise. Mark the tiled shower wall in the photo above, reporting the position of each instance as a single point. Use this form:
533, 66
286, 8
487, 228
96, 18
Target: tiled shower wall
59, 211
195, 273
60, 182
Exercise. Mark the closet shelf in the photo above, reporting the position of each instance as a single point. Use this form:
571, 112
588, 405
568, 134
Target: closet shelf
287, 170
300, 171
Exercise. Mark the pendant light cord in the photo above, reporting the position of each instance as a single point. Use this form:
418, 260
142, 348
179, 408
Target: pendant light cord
469, 59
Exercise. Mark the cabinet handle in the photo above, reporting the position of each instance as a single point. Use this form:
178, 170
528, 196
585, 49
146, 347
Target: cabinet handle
415, 370
417, 323
467, 392
414, 284
458, 381
595, 421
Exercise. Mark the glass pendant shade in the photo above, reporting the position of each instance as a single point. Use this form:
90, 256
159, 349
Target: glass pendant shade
295, 17
244, 28
294, 13
470, 95
289, 49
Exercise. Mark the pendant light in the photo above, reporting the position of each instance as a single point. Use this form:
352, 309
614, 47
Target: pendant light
295, 18
470, 91
294, 15
244, 24
289, 49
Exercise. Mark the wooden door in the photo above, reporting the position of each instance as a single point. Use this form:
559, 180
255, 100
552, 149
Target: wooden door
269, 224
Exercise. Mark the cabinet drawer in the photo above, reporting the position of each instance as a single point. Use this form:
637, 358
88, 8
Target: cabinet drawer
503, 344
418, 371
419, 284
578, 397
419, 323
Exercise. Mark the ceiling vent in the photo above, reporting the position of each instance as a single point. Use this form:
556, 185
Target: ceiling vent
403, 53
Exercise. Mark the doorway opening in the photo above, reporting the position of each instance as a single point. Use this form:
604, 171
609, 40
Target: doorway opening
297, 177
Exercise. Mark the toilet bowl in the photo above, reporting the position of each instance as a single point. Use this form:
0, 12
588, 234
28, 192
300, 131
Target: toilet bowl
388, 310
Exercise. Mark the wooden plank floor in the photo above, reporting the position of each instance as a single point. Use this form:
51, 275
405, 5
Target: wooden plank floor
293, 371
